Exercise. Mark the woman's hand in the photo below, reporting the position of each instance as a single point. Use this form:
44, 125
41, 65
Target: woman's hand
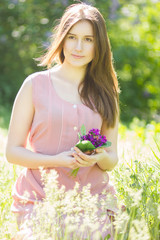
86, 159
66, 159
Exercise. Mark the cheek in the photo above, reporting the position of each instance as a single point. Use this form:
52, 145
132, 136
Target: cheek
67, 46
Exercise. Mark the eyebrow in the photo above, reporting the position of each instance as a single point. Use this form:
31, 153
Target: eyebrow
85, 35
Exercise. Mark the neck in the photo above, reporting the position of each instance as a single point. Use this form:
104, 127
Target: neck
73, 74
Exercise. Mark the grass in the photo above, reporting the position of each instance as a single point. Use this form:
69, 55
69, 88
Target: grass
136, 178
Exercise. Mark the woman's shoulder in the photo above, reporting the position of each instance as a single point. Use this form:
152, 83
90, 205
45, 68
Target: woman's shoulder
41, 75
36, 80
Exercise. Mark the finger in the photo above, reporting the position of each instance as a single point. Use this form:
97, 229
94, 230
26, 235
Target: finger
84, 156
75, 164
89, 152
70, 153
77, 150
80, 160
99, 150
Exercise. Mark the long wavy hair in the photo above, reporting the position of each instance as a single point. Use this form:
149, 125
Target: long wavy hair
99, 88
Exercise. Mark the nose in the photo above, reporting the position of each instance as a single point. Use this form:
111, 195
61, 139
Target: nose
78, 45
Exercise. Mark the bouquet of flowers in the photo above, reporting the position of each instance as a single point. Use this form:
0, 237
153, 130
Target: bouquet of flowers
90, 141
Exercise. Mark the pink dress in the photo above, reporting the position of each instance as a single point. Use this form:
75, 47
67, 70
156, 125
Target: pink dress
54, 129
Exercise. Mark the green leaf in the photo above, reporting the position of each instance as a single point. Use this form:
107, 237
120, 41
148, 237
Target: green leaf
83, 130
108, 237
156, 156
79, 136
85, 145
107, 144
74, 172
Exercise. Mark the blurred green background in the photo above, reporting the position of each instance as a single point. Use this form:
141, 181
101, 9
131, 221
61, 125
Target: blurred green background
134, 32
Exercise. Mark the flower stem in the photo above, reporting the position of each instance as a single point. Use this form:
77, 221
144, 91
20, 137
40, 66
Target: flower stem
74, 172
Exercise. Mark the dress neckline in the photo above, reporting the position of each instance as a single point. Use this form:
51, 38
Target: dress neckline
57, 95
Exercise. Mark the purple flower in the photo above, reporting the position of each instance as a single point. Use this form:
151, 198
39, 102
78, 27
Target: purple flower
95, 137
88, 142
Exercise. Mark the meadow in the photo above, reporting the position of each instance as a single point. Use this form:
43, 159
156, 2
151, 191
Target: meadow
136, 178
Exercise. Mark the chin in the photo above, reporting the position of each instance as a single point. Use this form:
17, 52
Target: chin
78, 64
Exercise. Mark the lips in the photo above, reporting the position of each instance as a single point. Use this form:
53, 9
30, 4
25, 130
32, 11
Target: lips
77, 56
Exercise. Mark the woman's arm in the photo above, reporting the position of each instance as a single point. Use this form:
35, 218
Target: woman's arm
106, 158
110, 155
20, 124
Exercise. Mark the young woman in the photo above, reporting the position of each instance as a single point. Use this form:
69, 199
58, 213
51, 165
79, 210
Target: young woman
52, 105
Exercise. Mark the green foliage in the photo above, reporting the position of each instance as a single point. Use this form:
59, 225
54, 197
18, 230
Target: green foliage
133, 28
26, 27
83, 130
85, 145
139, 173
135, 43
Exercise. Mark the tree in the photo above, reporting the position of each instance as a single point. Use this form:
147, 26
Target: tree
133, 30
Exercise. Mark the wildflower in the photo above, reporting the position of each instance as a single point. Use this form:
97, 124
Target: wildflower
95, 138
90, 141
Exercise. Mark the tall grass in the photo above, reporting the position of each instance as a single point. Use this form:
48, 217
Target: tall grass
136, 178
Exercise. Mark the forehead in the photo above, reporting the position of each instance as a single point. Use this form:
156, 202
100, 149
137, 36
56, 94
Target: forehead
83, 27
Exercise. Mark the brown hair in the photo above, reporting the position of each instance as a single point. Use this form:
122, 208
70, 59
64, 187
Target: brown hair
99, 88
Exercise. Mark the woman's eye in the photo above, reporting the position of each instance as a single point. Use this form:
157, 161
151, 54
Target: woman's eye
71, 37
89, 39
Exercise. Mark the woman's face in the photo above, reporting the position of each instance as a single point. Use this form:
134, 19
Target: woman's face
78, 45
